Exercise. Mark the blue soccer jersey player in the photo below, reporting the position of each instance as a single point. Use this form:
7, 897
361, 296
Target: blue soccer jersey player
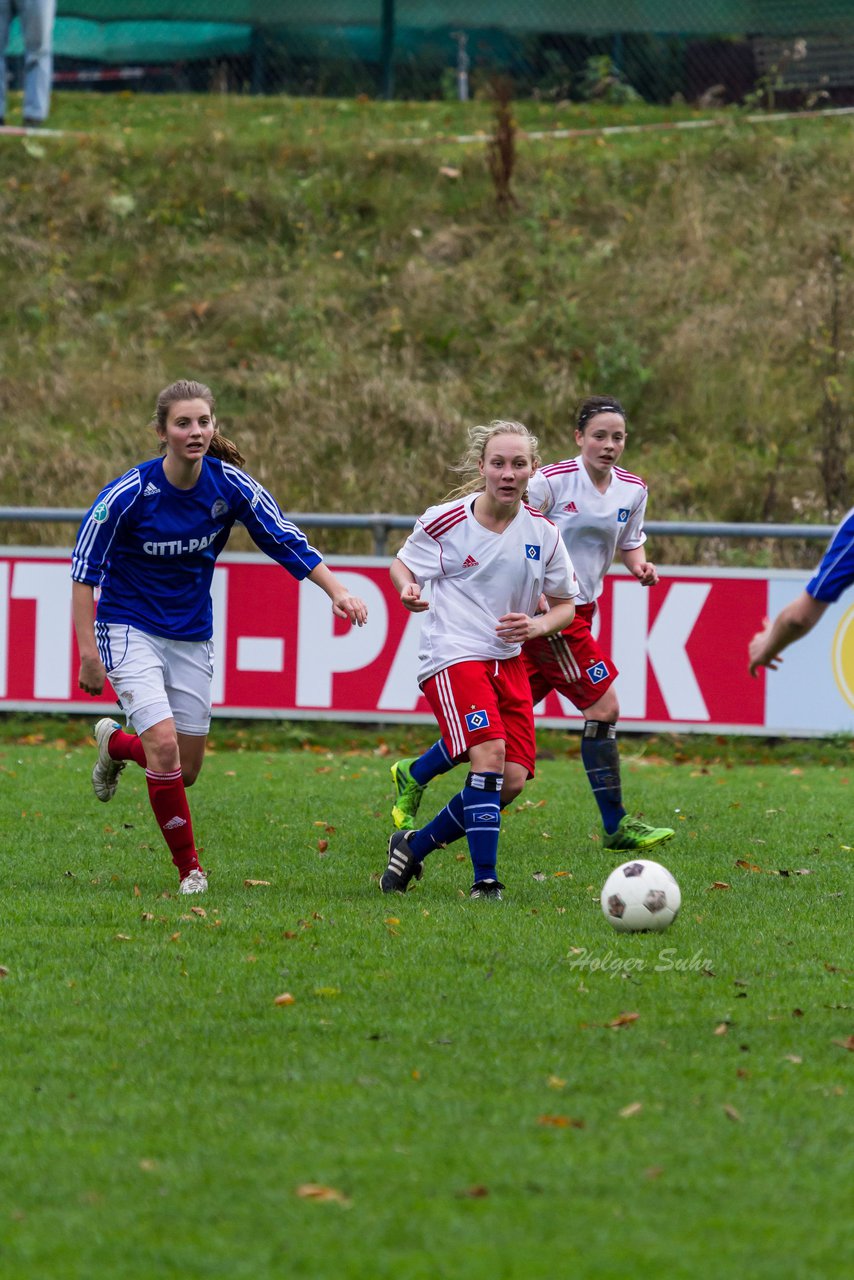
834, 574
150, 543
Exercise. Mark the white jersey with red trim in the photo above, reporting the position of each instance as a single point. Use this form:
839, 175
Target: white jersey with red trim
593, 525
477, 576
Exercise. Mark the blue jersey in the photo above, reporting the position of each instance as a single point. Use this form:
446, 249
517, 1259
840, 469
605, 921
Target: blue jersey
836, 571
152, 548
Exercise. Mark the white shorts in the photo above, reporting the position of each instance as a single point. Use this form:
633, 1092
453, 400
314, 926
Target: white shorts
157, 679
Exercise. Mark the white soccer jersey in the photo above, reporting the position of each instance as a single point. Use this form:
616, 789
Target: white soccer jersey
593, 525
478, 576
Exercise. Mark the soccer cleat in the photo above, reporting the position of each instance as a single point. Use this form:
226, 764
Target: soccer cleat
194, 881
408, 795
632, 836
105, 775
402, 865
487, 889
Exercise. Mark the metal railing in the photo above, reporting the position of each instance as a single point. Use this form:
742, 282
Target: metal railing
380, 524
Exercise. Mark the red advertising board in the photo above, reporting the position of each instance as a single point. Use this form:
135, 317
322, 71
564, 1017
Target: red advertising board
680, 647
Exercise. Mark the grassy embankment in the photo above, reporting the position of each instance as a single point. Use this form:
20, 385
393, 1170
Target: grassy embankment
356, 300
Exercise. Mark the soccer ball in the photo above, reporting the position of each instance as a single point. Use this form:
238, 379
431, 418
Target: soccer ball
640, 895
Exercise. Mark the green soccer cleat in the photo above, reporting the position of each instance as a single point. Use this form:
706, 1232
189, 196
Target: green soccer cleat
408, 796
634, 836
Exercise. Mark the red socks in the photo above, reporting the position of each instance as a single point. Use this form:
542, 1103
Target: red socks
127, 746
169, 802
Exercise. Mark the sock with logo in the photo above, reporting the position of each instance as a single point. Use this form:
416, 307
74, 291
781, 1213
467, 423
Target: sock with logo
126, 746
482, 807
169, 802
601, 758
435, 761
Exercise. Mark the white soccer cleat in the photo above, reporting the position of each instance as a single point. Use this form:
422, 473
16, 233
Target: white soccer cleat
105, 775
194, 881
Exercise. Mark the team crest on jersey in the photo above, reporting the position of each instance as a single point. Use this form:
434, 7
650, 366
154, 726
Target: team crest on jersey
571, 508
597, 672
622, 515
477, 720
219, 508
470, 563
532, 551
100, 513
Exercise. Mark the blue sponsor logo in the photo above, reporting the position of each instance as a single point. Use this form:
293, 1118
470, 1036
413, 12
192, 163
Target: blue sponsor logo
597, 672
477, 720
532, 551
622, 515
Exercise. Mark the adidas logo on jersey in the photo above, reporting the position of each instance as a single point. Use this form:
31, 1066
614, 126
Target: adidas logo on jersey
571, 508
470, 563
150, 490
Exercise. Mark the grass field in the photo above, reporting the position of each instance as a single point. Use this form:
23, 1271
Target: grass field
458, 1089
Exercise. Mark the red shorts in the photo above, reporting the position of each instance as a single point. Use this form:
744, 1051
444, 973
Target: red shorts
570, 662
480, 701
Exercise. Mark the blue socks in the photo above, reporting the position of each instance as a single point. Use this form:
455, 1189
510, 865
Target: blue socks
601, 758
431, 764
474, 812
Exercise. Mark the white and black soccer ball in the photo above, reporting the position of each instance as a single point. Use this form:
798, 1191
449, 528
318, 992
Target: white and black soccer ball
640, 895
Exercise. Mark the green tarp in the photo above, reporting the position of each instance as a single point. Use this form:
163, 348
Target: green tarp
150, 31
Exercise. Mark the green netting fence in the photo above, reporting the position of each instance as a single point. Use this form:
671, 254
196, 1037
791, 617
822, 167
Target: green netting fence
659, 49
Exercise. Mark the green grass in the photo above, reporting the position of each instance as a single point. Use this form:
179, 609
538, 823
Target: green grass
447, 1067
356, 301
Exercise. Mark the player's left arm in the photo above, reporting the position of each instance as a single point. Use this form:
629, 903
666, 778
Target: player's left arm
792, 623
637, 564
344, 604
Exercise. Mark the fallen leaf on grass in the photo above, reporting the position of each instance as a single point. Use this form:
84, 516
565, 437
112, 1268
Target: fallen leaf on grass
747, 866
122, 937
285, 998
477, 1192
148, 1166
147, 915
322, 846
136, 891
255, 884
556, 1082
198, 911
631, 1110
327, 991
721, 1029
4, 972
846, 1044
719, 884
560, 1122
793, 1057
322, 1195
446, 170
624, 1020
729, 1110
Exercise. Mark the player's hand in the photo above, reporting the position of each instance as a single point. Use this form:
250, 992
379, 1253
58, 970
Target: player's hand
92, 676
646, 574
410, 598
756, 650
351, 608
516, 628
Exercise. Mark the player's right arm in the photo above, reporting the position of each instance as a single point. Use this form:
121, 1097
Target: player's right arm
791, 623
406, 585
93, 673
